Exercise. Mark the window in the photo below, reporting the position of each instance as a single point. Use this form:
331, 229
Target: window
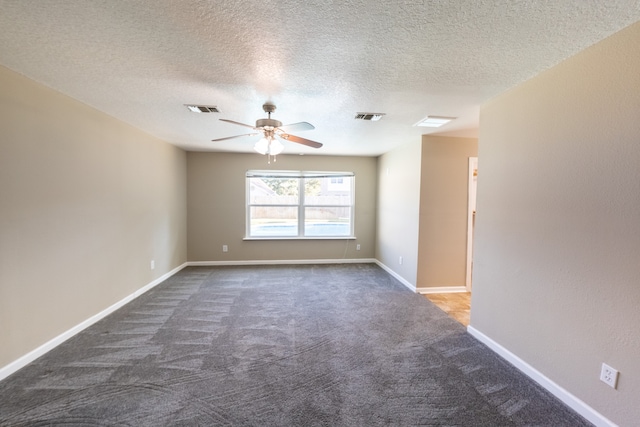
294, 204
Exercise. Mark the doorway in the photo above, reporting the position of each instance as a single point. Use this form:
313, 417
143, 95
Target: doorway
471, 216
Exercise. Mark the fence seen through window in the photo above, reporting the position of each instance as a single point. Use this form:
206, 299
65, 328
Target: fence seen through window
299, 204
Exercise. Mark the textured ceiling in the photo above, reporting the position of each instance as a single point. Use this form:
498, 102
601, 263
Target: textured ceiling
319, 61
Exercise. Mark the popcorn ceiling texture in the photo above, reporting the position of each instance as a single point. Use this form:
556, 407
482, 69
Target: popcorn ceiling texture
319, 61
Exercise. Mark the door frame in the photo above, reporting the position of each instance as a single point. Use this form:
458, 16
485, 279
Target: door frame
471, 210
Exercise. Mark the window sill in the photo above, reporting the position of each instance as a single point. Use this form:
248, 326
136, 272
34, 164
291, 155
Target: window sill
301, 238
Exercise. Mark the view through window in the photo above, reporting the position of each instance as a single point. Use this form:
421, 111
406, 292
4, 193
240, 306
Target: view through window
299, 204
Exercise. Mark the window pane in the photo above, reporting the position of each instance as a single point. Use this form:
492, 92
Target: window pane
273, 221
299, 204
273, 191
328, 191
327, 221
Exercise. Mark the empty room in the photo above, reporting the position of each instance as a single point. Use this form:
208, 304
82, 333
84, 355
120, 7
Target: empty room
241, 213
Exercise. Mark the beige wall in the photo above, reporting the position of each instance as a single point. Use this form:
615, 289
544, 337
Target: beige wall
216, 208
86, 202
442, 251
557, 264
398, 210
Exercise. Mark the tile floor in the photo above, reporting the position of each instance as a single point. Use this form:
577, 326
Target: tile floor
456, 305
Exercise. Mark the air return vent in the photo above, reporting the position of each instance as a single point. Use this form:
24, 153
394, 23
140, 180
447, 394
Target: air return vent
202, 108
374, 117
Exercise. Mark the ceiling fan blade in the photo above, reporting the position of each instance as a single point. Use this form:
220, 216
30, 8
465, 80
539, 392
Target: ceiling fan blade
297, 127
238, 123
299, 140
236, 136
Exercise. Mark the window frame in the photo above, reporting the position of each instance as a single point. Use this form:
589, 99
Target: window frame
301, 205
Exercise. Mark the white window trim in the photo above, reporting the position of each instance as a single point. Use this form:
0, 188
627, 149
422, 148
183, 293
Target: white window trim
301, 206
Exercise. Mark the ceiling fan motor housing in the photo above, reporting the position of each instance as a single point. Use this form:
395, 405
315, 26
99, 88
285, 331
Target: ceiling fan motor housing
269, 107
268, 123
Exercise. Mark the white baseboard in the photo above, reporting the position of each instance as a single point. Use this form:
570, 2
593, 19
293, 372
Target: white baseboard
283, 262
569, 399
396, 275
442, 290
21, 362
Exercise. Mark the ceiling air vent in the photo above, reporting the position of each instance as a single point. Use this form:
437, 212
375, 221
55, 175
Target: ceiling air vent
202, 108
434, 121
374, 117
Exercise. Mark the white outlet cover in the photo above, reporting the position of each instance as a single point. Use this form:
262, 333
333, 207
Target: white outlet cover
609, 375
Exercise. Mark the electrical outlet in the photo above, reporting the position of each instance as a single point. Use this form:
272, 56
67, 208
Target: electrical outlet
609, 376
153, 264
225, 248
400, 260
357, 247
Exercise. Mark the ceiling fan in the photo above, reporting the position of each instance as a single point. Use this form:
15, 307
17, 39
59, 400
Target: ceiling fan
270, 129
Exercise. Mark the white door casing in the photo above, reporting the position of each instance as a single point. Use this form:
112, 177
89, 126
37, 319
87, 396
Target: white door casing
471, 213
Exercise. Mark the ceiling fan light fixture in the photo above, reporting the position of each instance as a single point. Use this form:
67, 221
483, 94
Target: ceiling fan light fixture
269, 146
262, 146
276, 147
434, 121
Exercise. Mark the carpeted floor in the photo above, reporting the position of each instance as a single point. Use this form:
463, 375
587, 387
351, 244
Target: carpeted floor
312, 345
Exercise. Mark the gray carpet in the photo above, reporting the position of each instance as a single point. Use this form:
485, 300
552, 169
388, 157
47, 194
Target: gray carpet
321, 345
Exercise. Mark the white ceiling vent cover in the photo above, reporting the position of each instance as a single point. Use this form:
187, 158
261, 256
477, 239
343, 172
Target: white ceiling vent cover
202, 108
434, 121
374, 117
